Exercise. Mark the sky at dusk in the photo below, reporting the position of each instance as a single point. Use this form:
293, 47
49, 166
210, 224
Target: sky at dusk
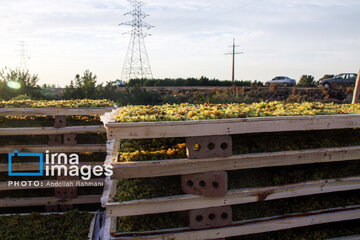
190, 38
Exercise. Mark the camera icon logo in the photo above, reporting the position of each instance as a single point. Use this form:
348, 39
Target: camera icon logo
30, 174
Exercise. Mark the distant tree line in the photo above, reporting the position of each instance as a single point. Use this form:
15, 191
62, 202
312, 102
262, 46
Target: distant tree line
202, 81
20, 84
86, 86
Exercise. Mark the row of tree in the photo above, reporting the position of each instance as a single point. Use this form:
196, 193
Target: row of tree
18, 84
202, 81
86, 86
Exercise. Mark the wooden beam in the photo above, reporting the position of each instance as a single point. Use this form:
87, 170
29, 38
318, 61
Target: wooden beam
92, 227
167, 129
354, 237
41, 213
107, 228
51, 130
53, 111
31, 166
263, 225
39, 201
113, 225
53, 149
4, 186
233, 197
235, 162
356, 89
110, 185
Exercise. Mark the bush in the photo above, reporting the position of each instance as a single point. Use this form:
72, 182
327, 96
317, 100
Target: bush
28, 84
82, 87
307, 81
138, 96
21, 97
327, 76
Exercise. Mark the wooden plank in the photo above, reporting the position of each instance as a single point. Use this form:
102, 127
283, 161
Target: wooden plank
110, 185
356, 89
41, 213
235, 162
26, 214
31, 166
355, 237
53, 149
53, 111
51, 130
92, 227
107, 228
113, 225
241, 228
112, 148
233, 197
167, 129
42, 184
39, 201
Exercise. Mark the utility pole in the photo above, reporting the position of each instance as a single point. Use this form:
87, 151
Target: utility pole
233, 59
136, 63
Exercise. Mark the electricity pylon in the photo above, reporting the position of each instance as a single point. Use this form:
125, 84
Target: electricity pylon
137, 63
22, 54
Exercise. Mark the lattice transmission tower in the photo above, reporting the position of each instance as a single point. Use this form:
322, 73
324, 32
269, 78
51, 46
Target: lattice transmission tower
22, 55
137, 63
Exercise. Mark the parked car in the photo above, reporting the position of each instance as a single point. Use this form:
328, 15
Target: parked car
120, 83
285, 81
343, 79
